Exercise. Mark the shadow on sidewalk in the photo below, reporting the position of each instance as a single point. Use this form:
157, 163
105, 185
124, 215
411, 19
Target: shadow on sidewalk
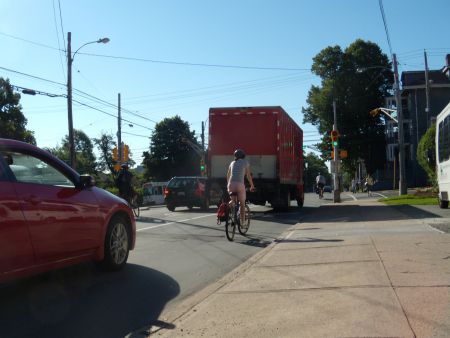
83, 302
362, 213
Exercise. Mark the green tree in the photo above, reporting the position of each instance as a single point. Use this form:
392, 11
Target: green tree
105, 144
316, 165
169, 156
84, 148
358, 79
426, 151
12, 120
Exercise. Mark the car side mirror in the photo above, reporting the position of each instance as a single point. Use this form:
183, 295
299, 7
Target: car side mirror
87, 181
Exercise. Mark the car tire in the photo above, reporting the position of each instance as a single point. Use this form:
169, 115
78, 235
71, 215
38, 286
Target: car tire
171, 207
116, 245
205, 204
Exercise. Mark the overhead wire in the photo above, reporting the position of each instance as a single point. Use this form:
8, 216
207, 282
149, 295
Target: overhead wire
385, 26
57, 39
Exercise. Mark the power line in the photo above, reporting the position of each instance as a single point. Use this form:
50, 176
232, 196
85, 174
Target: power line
57, 38
192, 63
62, 27
385, 25
163, 61
124, 132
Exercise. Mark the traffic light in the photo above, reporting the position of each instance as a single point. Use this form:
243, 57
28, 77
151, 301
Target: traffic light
375, 112
202, 167
334, 138
115, 152
126, 152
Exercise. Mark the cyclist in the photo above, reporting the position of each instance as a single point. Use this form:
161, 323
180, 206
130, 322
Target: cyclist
124, 183
237, 171
320, 183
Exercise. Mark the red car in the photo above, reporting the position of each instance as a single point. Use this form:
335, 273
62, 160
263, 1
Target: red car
51, 217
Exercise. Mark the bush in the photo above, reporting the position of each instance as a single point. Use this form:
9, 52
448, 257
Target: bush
426, 151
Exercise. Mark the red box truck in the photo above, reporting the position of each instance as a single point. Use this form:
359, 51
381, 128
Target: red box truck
273, 143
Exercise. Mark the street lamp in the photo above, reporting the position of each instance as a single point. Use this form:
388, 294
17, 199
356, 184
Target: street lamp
402, 186
70, 57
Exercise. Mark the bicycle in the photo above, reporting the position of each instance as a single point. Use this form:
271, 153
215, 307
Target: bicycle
234, 218
133, 203
319, 190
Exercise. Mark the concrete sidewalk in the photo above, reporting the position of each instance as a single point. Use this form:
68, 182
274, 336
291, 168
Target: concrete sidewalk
357, 269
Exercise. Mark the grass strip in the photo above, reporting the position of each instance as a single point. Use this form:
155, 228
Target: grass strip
409, 200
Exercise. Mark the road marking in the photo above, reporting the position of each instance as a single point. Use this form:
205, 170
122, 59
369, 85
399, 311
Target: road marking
354, 198
377, 193
174, 222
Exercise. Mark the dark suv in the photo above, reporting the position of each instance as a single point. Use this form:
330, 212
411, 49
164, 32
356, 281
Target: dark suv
189, 191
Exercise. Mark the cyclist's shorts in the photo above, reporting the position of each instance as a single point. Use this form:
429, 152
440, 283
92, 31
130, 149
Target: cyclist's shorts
239, 188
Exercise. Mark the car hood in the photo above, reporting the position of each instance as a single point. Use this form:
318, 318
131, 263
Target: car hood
104, 195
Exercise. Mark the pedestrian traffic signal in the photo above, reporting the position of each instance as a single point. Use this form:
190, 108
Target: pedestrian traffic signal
126, 152
334, 138
115, 152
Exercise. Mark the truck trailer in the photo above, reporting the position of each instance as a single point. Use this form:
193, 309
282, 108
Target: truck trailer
273, 144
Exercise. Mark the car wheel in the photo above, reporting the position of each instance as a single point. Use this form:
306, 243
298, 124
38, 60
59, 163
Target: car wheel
190, 206
171, 207
205, 204
117, 244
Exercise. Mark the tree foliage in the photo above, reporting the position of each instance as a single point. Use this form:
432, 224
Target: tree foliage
426, 150
84, 148
105, 144
169, 155
12, 121
358, 79
316, 165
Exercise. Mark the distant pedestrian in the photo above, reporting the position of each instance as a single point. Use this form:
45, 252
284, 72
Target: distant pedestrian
369, 185
353, 185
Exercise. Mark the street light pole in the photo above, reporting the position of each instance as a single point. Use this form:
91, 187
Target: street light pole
70, 57
402, 184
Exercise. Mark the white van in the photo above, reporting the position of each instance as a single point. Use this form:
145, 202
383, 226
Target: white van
154, 193
443, 155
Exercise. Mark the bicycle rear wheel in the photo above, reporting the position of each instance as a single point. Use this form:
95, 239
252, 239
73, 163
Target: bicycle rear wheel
230, 226
243, 228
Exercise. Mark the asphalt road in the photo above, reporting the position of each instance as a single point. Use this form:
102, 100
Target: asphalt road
177, 254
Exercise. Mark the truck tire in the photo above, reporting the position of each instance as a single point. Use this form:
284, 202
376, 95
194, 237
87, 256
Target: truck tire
443, 204
300, 202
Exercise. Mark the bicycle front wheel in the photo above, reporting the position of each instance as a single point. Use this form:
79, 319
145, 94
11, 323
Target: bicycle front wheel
230, 227
243, 228
135, 206
136, 211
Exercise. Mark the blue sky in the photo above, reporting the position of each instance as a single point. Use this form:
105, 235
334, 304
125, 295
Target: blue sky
179, 57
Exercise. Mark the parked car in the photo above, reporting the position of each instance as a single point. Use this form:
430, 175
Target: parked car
189, 191
52, 217
327, 188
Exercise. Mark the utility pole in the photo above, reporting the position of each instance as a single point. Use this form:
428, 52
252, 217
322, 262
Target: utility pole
119, 131
72, 155
203, 135
427, 88
402, 186
336, 191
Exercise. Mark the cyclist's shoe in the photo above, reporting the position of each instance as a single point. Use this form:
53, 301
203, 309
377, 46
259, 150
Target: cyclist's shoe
243, 223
